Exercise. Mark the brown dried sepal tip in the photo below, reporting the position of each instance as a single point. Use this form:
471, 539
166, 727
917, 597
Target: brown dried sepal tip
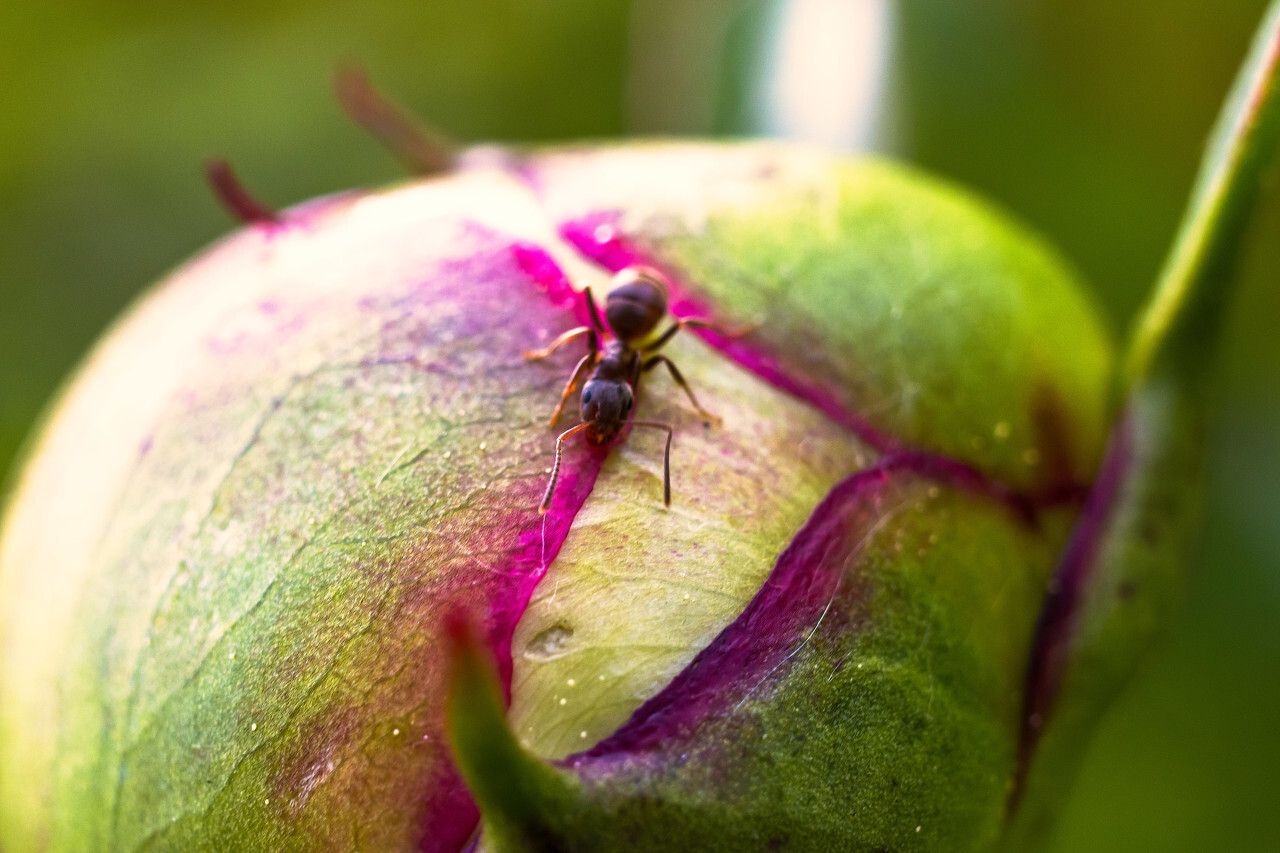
422, 149
234, 197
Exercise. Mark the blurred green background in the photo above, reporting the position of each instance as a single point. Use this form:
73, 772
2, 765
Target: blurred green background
1085, 117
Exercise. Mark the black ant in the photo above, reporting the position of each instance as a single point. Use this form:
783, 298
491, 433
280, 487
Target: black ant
633, 309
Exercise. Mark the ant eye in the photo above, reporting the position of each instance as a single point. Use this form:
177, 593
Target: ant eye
586, 396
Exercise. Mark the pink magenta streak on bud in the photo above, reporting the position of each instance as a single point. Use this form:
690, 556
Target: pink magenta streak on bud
507, 584
451, 814
535, 262
578, 471
538, 546
599, 237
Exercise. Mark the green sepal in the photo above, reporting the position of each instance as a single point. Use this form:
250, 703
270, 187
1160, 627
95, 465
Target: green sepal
1140, 554
522, 799
1179, 327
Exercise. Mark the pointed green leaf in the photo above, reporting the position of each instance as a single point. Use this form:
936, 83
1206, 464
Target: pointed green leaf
1122, 573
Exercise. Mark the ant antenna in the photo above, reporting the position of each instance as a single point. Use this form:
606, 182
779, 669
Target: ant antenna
555, 469
422, 149
666, 460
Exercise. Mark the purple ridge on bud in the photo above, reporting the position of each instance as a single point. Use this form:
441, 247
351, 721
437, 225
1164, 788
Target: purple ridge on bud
759, 641
788, 609
1051, 648
537, 547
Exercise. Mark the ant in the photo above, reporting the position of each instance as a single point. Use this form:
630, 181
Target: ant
634, 307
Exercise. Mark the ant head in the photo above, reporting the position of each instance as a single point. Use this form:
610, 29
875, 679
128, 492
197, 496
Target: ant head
636, 303
605, 407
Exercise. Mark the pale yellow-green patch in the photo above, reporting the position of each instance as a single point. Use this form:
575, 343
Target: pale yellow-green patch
638, 590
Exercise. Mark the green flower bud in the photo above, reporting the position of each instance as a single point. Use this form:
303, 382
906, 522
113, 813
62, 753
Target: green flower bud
275, 574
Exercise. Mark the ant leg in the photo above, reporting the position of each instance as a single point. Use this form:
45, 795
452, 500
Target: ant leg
663, 338
697, 323
555, 469
585, 364
666, 459
724, 331
593, 310
593, 342
654, 361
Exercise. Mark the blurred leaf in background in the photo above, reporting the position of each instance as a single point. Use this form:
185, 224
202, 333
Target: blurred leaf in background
108, 109
1085, 117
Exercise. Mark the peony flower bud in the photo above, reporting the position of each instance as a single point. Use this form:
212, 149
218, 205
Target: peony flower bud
275, 575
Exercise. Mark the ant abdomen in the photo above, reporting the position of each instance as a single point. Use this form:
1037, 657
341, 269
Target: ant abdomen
636, 304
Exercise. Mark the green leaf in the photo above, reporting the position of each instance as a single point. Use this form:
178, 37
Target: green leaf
1178, 329
1123, 572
